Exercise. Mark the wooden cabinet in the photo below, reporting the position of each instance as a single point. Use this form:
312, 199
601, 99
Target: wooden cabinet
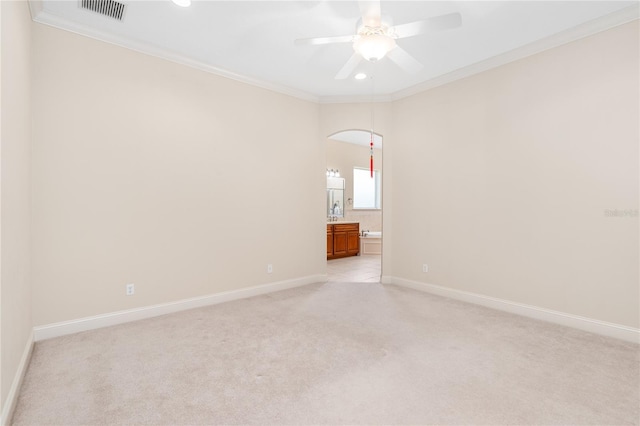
343, 239
329, 241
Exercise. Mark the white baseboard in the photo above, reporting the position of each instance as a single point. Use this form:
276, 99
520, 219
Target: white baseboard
617, 331
12, 397
386, 279
105, 320
90, 323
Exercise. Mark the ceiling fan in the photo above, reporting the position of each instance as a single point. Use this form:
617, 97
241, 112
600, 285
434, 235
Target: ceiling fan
375, 38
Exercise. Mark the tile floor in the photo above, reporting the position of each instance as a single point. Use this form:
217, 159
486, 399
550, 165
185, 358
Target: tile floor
364, 269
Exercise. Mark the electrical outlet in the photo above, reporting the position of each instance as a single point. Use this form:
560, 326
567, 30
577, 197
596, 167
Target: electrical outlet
425, 267
131, 288
269, 268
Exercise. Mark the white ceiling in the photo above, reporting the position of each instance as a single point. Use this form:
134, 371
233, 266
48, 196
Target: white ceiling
253, 41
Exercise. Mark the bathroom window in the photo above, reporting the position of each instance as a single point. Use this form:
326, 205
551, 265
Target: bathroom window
366, 190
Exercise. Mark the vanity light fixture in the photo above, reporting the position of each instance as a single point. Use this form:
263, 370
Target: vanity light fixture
182, 3
333, 173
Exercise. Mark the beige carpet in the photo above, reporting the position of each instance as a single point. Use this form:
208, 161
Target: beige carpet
333, 353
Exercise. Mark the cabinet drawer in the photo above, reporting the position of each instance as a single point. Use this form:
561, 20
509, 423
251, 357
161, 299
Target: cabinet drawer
346, 227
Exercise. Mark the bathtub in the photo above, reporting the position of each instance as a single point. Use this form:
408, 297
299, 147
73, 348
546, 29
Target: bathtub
371, 243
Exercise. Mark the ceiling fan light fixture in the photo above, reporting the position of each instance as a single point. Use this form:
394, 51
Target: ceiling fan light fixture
374, 47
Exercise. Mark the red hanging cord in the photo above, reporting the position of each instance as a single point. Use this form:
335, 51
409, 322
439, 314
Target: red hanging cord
371, 156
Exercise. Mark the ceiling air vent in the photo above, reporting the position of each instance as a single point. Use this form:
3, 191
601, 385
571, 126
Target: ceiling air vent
110, 8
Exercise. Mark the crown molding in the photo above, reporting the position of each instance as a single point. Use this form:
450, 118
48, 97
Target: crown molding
39, 15
359, 99
36, 8
586, 29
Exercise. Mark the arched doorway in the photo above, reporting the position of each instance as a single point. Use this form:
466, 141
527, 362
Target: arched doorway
349, 167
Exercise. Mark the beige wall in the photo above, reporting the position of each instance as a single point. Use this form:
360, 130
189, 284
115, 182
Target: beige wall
179, 181
188, 184
502, 180
345, 156
15, 139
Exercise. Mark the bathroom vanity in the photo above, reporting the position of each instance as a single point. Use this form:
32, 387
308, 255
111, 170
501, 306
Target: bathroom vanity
343, 239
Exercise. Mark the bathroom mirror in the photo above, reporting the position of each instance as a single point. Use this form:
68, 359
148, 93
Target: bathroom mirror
335, 197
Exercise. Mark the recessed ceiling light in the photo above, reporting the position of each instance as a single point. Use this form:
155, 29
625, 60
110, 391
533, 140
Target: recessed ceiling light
183, 3
360, 76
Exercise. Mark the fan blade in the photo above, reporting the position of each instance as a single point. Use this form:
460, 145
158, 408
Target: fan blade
370, 10
437, 23
323, 40
348, 68
404, 60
